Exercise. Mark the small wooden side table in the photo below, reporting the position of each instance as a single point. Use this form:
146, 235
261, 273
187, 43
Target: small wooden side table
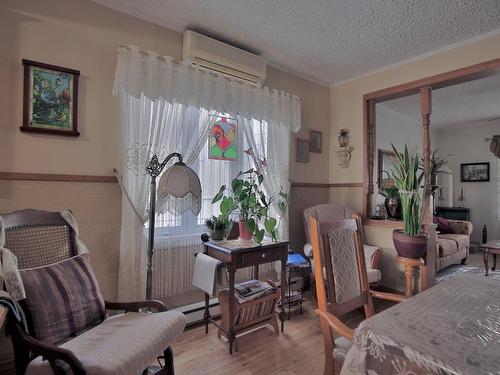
491, 247
236, 254
410, 264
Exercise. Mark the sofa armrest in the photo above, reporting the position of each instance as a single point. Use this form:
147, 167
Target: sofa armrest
372, 256
50, 352
135, 306
308, 250
461, 227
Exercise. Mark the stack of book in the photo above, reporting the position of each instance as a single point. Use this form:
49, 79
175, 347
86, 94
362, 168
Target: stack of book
252, 289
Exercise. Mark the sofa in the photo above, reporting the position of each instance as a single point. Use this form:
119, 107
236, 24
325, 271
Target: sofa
453, 248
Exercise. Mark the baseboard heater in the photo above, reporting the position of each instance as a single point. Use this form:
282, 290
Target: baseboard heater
194, 312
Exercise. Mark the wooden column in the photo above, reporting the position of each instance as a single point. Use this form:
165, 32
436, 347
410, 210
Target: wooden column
429, 271
370, 113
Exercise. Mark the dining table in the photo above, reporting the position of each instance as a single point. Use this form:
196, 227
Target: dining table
450, 328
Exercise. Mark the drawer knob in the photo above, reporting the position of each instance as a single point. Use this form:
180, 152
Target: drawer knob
264, 255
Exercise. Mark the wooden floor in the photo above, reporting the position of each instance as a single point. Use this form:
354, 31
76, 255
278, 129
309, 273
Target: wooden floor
299, 350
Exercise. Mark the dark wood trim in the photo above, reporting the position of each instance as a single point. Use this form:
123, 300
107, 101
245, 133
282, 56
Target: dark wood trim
56, 177
26, 126
325, 185
454, 77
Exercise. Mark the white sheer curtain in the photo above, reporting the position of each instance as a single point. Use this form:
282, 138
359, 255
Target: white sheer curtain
149, 128
272, 142
168, 107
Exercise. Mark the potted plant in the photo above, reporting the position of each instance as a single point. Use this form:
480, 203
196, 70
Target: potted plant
252, 205
219, 227
437, 162
410, 242
392, 202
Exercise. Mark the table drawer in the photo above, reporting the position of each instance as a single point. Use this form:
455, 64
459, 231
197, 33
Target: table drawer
262, 256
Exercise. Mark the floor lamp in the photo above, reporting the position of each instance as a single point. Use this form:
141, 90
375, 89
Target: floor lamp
179, 190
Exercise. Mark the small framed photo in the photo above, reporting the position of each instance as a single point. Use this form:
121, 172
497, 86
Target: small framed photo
475, 172
302, 150
50, 99
385, 166
315, 141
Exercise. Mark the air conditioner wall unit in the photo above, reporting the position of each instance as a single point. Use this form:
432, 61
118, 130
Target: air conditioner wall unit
222, 58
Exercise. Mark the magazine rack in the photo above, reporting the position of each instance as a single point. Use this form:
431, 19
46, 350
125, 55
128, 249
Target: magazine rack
249, 314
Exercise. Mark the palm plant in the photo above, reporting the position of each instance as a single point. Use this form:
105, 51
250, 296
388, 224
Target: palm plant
437, 162
408, 178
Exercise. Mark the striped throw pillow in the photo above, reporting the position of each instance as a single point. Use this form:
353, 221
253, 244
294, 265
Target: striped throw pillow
63, 299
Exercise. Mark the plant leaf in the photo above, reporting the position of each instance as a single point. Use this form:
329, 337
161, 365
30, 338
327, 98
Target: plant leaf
219, 195
250, 225
270, 224
259, 235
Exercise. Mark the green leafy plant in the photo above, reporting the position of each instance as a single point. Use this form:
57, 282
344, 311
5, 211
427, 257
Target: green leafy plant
437, 162
217, 222
247, 198
408, 178
389, 192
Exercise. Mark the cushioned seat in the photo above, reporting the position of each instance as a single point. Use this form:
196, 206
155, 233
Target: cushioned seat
446, 246
461, 240
342, 346
374, 275
122, 344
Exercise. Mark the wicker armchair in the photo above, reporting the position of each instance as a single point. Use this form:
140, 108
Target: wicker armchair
130, 341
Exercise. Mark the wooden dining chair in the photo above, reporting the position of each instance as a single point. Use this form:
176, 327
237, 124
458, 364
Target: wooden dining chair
341, 284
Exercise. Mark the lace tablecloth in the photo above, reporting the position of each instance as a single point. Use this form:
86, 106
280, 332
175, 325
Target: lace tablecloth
451, 328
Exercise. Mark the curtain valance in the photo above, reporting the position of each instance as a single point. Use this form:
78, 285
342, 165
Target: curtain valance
177, 82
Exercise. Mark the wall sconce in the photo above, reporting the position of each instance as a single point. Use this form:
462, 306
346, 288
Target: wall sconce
344, 153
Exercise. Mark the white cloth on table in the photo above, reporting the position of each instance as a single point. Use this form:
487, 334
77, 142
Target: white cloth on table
205, 273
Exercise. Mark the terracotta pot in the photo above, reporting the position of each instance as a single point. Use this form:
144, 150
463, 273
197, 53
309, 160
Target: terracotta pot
409, 246
245, 234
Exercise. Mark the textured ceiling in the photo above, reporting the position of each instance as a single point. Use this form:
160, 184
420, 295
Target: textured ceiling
471, 102
326, 40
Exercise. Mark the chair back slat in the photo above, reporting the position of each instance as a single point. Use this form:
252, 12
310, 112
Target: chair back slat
38, 238
327, 213
339, 267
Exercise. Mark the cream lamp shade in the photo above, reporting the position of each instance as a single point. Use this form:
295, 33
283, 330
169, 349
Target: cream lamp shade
179, 191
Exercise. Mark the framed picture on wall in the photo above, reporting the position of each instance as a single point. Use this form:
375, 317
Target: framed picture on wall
50, 99
222, 139
385, 164
315, 141
475, 172
302, 150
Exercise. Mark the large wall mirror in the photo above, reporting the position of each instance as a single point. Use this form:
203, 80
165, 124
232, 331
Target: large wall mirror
396, 126
453, 121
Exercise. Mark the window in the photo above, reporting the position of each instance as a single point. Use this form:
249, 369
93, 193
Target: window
213, 174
